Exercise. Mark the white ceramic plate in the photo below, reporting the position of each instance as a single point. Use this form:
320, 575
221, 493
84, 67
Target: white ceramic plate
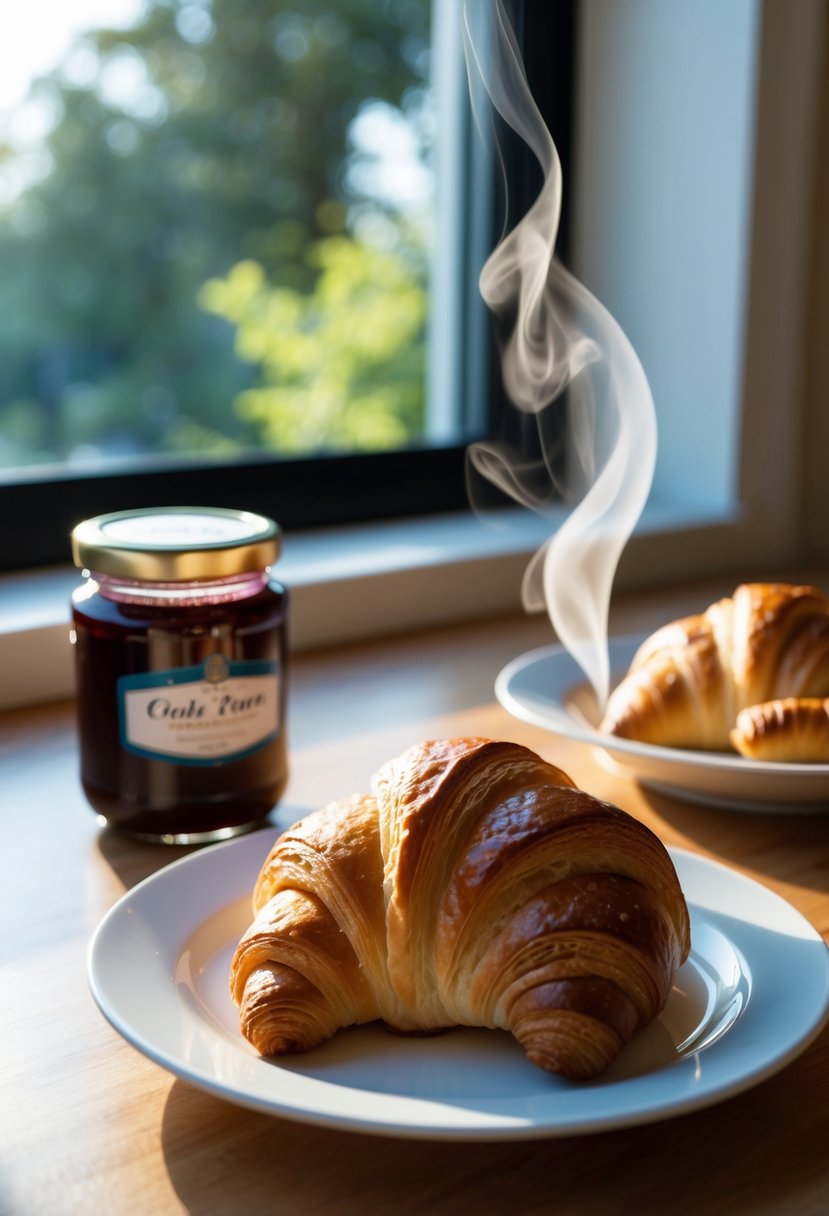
754, 992
547, 688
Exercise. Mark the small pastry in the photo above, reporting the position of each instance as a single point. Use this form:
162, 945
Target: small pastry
794, 729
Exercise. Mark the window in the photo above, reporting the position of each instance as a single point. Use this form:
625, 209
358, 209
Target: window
235, 267
608, 74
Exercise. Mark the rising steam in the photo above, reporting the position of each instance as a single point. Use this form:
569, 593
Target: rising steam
558, 336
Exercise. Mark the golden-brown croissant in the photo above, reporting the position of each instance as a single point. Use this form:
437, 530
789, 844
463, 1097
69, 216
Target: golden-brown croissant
794, 730
477, 886
690, 679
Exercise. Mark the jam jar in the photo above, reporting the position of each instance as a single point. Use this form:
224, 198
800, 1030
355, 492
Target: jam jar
179, 633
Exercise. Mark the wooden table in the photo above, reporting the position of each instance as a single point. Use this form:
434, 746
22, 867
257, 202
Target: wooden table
90, 1125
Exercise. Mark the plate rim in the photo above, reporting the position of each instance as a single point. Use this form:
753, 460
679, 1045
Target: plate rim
496, 1128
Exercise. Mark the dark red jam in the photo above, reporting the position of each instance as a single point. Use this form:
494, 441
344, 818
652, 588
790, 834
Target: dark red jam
181, 709
179, 634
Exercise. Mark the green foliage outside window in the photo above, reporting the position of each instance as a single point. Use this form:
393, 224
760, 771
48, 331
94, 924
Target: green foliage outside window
192, 267
342, 365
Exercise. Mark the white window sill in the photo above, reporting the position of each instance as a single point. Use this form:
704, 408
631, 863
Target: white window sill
346, 585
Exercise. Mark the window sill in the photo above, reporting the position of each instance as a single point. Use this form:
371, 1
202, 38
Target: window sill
346, 584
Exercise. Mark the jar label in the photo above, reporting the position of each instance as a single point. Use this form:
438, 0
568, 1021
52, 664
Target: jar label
208, 714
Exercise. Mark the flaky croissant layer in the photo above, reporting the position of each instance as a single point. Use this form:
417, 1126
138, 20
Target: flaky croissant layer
475, 886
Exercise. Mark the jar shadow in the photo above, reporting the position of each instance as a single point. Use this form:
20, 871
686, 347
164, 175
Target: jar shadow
776, 845
133, 859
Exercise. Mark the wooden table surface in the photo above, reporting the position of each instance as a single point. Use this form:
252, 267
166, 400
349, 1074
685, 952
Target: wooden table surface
90, 1125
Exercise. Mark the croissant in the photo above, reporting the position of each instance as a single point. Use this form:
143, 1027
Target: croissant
690, 679
475, 886
794, 729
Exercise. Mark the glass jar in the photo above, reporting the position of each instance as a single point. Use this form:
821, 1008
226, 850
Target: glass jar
180, 645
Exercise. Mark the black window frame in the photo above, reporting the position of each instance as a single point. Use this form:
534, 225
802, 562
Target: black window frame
36, 516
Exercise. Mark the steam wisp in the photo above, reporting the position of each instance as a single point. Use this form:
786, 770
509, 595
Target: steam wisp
560, 337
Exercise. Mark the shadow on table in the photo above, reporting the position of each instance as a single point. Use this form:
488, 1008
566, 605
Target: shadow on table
226, 1159
778, 845
134, 860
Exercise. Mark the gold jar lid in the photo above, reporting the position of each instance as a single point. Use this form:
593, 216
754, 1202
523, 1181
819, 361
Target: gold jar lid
176, 544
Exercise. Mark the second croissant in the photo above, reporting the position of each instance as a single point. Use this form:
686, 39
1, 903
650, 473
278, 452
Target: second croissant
475, 886
764, 649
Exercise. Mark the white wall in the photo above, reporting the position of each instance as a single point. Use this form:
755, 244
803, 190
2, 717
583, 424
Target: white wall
661, 214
